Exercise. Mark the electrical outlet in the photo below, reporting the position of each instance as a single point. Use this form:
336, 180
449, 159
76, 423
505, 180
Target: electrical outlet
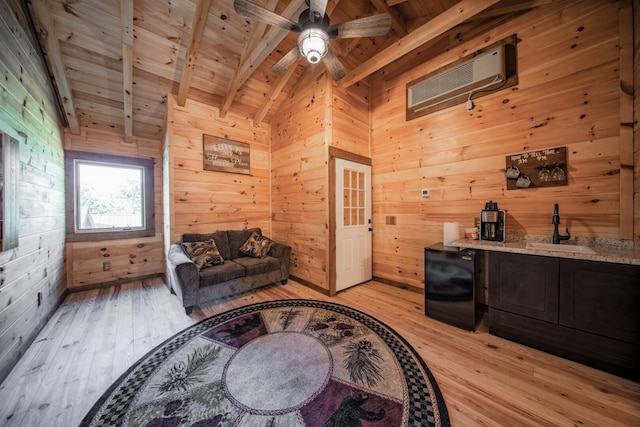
106, 266
426, 192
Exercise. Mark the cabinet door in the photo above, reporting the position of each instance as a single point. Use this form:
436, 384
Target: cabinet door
524, 284
602, 298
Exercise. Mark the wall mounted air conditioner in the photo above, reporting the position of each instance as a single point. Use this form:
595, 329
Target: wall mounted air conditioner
480, 72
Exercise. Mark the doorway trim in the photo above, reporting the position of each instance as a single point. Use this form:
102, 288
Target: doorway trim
337, 153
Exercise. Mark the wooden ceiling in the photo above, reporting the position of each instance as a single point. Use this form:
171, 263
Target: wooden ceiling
113, 62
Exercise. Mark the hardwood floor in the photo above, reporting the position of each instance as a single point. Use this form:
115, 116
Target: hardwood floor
486, 381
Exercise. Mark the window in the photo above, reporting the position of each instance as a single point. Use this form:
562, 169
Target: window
353, 197
9, 209
108, 197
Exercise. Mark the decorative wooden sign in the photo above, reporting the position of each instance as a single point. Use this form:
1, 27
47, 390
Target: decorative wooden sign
224, 155
542, 168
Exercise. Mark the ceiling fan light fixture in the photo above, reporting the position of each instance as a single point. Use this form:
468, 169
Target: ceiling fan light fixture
313, 44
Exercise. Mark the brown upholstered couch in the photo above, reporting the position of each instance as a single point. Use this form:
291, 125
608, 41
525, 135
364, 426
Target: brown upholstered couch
238, 273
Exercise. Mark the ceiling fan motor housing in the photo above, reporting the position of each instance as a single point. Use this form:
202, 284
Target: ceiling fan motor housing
313, 41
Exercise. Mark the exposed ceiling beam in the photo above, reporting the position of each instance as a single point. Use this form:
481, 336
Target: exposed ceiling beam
197, 31
276, 88
453, 16
52, 49
268, 43
395, 2
257, 31
126, 18
397, 21
504, 9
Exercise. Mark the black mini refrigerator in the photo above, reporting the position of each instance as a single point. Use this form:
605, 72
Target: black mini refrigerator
449, 282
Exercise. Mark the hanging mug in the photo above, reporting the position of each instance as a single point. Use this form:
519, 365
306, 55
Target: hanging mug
523, 181
513, 172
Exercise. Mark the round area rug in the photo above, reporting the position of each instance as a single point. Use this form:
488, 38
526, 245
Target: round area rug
281, 363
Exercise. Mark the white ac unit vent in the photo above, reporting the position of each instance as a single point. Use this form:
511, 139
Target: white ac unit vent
480, 72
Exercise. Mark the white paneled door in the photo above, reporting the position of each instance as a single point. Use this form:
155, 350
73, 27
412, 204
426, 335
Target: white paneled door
353, 224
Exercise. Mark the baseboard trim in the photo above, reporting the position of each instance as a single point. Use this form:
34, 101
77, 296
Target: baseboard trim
376, 278
109, 284
399, 285
310, 285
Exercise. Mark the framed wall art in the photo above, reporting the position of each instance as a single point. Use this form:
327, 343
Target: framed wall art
225, 155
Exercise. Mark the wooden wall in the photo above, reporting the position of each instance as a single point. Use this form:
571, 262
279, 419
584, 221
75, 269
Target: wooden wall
129, 258
636, 120
316, 116
203, 201
31, 275
569, 95
299, 177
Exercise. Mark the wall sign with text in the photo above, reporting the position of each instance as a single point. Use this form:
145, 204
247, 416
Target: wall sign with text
542, 168
224, 155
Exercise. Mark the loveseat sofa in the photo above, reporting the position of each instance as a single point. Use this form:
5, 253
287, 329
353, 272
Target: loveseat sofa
244, 260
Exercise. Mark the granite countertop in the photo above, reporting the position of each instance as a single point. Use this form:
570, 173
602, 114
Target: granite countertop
605, 251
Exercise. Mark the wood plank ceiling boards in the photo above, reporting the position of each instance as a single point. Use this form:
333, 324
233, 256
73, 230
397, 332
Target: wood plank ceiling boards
205, 51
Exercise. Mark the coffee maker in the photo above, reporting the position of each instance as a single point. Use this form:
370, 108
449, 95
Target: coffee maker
492, 223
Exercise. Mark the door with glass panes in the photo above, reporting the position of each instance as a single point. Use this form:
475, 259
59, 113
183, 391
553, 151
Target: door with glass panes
353, 224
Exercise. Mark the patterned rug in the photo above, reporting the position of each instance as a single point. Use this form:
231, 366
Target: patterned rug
281, 363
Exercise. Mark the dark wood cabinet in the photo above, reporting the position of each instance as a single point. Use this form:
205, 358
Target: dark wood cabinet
582, 310
601, 298
524, 284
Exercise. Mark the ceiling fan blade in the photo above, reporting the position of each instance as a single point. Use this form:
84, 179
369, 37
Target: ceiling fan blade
259, 13
334, 65
286, 61
317, 7
376, 25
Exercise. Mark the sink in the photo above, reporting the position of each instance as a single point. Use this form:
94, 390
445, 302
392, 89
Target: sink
575, 249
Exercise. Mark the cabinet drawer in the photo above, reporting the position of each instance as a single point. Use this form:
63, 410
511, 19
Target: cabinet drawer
524, 284
601, 298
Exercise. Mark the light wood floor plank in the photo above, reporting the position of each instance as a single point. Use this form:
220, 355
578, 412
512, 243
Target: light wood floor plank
486, 381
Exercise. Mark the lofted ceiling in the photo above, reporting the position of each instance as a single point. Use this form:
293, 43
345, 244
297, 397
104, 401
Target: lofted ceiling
113, 62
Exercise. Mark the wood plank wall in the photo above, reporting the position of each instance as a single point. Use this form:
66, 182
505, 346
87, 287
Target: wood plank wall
129, 258
204, 201
316, 116
349, 118
568, 96
299, 177
32, 275
636, 120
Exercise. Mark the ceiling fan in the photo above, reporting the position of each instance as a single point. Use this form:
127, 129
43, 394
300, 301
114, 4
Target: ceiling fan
315, 32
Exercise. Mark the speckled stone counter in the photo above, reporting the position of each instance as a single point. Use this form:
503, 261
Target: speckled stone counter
606, 250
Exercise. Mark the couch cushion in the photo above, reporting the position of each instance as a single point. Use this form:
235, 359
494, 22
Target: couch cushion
221, 273
220, 237
256, 246
237, 239
259, 265
203, 254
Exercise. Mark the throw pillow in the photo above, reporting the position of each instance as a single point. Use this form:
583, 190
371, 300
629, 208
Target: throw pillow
203, 254
257, 245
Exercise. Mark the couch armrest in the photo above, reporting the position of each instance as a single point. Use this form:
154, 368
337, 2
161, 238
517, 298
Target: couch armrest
187, 274
283, 253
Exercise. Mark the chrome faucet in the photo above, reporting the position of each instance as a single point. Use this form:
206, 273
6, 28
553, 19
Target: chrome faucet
557, 237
